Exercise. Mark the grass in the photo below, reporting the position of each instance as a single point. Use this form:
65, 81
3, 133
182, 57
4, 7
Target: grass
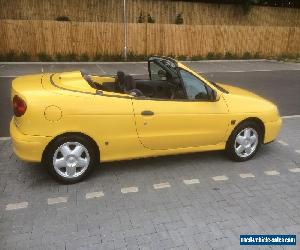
12, 56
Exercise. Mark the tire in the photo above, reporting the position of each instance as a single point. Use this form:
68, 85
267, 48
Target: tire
242, 145
71, 158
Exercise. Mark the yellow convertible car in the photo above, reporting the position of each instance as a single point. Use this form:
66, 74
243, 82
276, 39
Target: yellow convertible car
72, 121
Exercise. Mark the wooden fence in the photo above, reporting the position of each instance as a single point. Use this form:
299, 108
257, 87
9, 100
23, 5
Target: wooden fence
53, 37
164, 11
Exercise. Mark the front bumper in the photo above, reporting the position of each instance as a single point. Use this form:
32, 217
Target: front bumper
27, 147
272, 130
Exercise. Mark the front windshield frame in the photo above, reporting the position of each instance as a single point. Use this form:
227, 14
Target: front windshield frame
202, 78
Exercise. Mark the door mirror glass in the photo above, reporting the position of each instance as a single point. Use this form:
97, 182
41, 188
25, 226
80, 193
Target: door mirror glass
215, 95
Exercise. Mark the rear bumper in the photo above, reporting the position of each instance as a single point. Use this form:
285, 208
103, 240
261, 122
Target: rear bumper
272, 130
27, 147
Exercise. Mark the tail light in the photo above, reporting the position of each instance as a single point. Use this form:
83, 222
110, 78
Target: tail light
19, 106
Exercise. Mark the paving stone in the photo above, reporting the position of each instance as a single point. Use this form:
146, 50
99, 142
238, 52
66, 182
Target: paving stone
129, 190
15, 206
161, 185
220, 178
272, 172
56, 200
191, 181
294, 170
247, 175
208, 215
93, 195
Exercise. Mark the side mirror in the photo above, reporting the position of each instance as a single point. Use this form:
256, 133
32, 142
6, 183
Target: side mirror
215, 95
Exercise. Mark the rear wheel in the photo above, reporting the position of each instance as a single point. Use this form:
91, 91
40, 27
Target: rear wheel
71, 158
244, 141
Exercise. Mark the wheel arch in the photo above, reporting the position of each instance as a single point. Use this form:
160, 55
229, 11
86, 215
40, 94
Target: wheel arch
91, 140
257, 120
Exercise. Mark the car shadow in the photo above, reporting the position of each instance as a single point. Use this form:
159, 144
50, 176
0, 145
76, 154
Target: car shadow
40, 175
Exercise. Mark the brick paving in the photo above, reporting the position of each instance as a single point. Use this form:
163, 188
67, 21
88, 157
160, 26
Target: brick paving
188, 210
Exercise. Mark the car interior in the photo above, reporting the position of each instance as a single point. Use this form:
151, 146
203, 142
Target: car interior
163, 83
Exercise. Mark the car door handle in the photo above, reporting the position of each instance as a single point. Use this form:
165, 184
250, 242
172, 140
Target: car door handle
147, 112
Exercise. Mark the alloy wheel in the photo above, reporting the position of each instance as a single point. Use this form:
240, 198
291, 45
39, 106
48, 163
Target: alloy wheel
71, 159
246, 142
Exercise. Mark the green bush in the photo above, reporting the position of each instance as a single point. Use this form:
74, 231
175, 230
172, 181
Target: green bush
10, 56
229, 55
142, 57
24, 57
150, 19
246, 55
59, 57
218, 56
84, 57
197, 58
179, 19
292, 56
141, 18
170, 55
63, 19
97, 58
210, 56
214, 56
108, 58
43, 57
284, 57
181, 58
71, 57
116, 58
257, 55
136, 58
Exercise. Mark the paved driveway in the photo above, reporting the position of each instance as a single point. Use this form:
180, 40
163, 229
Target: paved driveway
194, 201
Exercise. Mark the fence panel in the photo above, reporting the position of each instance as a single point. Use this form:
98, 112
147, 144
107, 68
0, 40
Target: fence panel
93, 38
164, 11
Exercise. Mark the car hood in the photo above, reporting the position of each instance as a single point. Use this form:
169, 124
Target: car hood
239, 91
240, 100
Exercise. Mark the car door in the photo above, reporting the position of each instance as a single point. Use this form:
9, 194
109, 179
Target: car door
192, 122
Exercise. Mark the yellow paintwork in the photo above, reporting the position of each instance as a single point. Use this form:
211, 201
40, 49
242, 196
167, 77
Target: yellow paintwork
72, 81
115, 123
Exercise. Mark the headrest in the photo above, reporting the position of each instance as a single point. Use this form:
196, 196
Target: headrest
120, 76
129, 82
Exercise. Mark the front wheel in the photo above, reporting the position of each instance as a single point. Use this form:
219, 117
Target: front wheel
71, 158
244, 141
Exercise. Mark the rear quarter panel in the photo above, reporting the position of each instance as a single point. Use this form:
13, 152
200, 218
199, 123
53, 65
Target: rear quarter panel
108, 120
52, 111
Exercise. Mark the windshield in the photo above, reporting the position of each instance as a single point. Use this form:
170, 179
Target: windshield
202, 78
195, 88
